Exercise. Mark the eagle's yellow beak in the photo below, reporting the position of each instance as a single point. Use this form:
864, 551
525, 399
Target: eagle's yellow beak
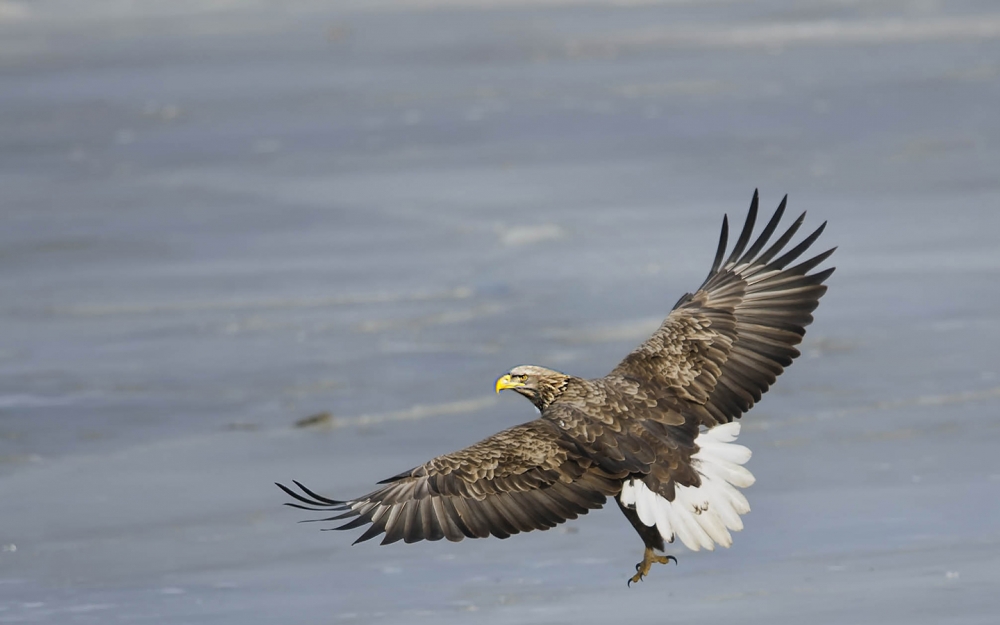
506, 382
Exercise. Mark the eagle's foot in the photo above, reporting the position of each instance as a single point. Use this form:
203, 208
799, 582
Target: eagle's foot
648, 559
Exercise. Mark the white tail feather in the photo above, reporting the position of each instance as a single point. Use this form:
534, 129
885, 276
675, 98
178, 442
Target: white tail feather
701, 516
645, 505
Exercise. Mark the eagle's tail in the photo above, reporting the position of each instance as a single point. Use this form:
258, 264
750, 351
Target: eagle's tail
700, 516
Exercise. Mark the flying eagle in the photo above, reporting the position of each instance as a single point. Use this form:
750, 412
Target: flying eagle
657, 433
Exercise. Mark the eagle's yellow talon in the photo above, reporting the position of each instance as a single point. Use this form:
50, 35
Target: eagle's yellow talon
649, 558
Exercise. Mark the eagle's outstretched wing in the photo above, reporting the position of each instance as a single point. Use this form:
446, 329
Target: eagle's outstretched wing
723, 346
523, 478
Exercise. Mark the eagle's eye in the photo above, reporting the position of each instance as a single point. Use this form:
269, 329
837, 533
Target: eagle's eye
523, 377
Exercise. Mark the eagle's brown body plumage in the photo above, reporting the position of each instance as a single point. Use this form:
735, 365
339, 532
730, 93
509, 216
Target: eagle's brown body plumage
630, 432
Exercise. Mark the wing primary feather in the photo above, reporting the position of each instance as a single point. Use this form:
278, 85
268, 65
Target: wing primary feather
796, 251
782, 241
807, 265
297, 496
344, 515
741, 243
358, 522
370, 533
820, 276
332, 502
318, 521
301, 507
769, 229
723, 242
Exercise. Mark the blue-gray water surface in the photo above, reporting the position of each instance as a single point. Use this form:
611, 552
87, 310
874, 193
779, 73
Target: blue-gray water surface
218, 218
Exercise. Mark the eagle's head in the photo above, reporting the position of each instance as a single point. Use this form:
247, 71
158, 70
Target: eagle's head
540, 385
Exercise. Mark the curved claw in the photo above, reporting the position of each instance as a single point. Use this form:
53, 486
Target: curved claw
649, 558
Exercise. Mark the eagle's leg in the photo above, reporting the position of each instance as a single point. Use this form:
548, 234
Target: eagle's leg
650, 537
649, 558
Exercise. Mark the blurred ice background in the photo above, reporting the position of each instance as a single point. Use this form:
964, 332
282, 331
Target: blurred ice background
220, 217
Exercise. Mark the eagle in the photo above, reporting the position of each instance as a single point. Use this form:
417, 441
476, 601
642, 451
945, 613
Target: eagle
657, 433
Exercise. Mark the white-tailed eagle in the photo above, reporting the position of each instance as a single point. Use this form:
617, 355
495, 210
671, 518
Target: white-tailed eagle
657, 433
